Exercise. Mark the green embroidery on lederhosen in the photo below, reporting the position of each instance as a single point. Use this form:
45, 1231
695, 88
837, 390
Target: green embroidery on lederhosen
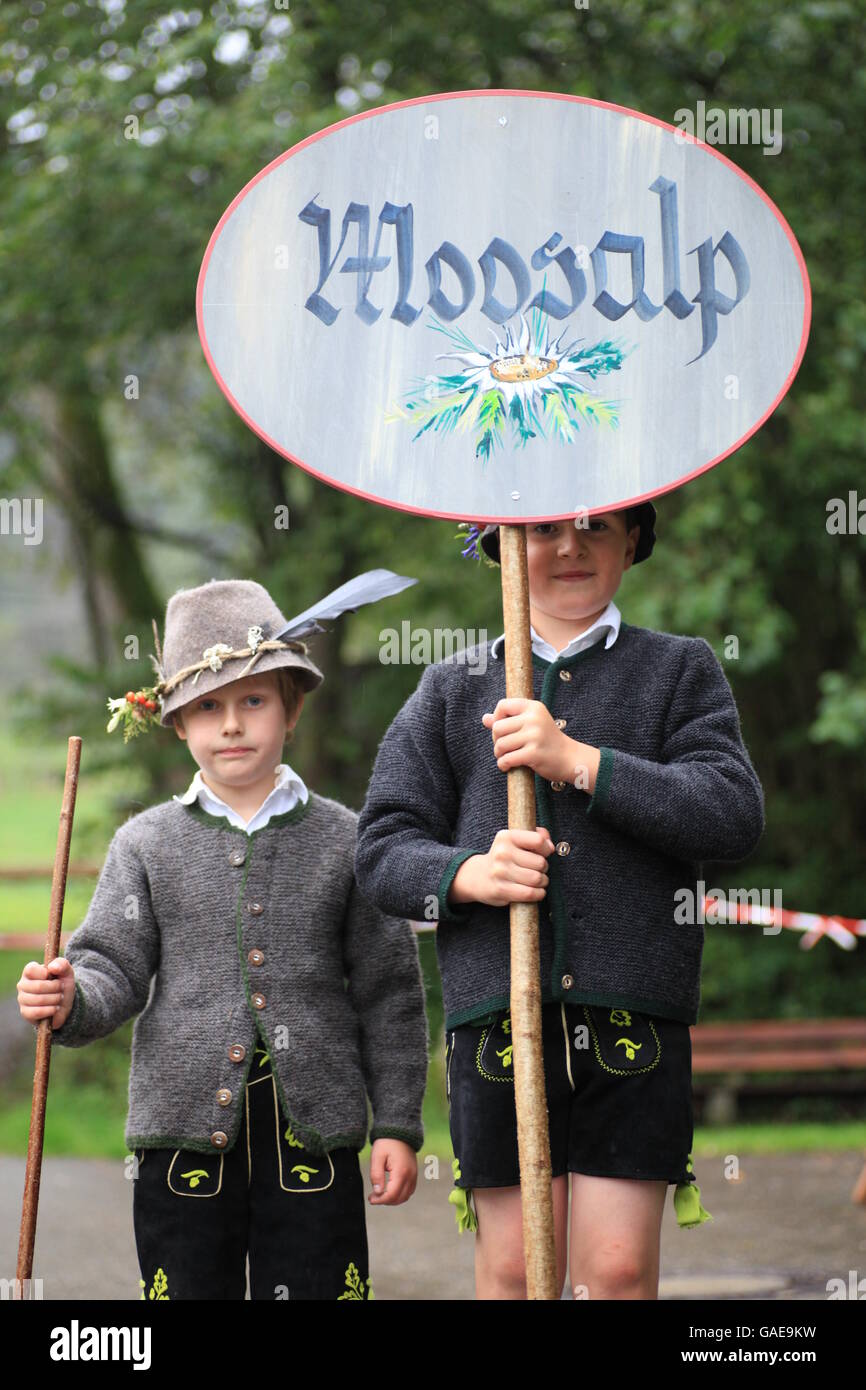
494, 1055
300, 1170
449, 1053
188, 1177
159, 1287
290, 1139
624, 1042
355, 1287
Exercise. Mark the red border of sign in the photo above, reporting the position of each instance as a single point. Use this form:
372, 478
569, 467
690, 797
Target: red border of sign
499, 92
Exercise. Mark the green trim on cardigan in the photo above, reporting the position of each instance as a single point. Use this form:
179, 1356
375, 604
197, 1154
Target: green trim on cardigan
218, 822
594, 650
478, 1014
80, 994
657, 1008
74, 1019
408, 1136
602, 782
355, 1140
546, 818
448, 913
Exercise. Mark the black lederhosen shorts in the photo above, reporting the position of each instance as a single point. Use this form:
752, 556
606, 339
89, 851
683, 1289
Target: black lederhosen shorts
299, 1216
619, 1096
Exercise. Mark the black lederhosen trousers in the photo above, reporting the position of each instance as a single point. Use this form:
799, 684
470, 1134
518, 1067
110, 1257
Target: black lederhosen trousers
299, 1216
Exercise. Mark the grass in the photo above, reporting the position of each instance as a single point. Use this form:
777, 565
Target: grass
82, 1124
31, 790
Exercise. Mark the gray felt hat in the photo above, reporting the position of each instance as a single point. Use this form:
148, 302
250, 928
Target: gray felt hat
646, 514
220, 632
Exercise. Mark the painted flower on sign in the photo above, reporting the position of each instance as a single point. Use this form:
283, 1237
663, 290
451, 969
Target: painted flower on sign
529, 381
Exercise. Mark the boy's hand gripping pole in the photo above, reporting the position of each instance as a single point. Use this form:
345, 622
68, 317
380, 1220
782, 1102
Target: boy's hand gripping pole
533, 1142
33, 1170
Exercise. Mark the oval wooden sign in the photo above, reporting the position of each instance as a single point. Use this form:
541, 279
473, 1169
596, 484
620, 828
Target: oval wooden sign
503, 305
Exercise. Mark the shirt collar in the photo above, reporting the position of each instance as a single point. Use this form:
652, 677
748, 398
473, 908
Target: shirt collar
198, 789
606, 626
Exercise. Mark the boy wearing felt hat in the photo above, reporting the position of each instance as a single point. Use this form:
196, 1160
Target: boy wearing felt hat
273, 997
640, 775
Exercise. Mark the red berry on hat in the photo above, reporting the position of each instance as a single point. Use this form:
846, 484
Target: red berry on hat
130, 695
150, 704
141, 699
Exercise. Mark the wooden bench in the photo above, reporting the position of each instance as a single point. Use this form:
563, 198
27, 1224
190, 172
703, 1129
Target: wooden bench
732, 1054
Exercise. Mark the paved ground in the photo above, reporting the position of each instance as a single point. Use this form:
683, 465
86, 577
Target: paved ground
779, 1233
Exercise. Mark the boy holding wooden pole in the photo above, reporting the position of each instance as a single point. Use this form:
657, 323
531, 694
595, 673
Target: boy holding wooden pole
641, 774
273, 998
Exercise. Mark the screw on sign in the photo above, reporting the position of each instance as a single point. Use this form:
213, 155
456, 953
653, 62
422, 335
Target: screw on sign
544, 375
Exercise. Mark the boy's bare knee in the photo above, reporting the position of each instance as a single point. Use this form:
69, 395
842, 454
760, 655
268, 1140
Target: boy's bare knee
617, 1272
509, 1278
500, 1274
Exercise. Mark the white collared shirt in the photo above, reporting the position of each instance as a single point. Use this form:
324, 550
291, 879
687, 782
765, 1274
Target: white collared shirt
605, 626
289, 789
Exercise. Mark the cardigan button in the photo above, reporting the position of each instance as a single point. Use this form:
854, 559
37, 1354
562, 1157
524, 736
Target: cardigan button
256, 957
568, 982
224, 1096
560, 723
237, 857
219, 1139
255, 908
565, 675
563, 848
557, 786
258, 1001
237, 1052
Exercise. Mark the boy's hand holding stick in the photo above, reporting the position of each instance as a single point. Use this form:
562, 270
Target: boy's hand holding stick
44, 996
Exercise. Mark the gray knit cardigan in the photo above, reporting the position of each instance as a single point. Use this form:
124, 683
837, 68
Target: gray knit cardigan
220, 941
675, 787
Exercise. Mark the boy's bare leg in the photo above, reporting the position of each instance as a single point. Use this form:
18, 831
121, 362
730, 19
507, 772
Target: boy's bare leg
615, 1236
499, 1265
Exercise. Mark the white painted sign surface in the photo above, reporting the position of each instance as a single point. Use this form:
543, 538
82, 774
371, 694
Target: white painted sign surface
503, 306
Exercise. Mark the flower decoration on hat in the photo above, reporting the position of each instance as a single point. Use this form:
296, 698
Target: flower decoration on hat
213, 656
135, 712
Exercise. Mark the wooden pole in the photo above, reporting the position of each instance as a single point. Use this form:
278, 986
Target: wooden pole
33, 1169
533, 1143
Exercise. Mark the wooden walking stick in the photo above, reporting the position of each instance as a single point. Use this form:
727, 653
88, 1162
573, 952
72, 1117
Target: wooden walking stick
533, 1143
33, 1169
